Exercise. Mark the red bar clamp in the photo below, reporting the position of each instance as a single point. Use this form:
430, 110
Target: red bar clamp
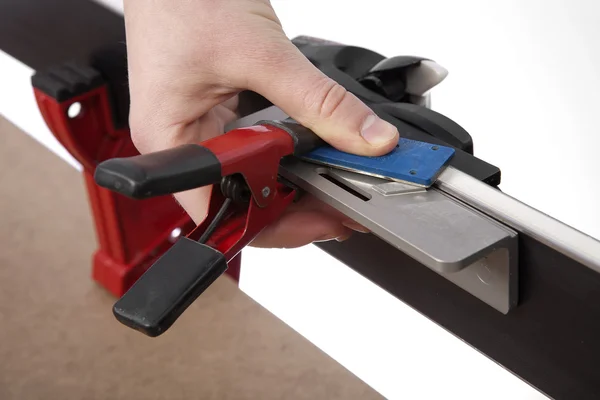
251, 196
131, 234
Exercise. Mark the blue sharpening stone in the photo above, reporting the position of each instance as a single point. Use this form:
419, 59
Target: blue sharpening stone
412, 161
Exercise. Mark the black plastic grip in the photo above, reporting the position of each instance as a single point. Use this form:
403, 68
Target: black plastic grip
165, 172
169, 286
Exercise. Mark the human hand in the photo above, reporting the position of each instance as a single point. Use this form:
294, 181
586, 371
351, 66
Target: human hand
188, 60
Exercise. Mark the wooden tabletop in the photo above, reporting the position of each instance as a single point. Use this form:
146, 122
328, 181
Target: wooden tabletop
59, 339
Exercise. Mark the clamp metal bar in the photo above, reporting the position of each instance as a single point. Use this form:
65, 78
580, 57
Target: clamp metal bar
521, 217
461, 228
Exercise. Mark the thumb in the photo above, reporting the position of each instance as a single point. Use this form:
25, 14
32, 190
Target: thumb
316, 101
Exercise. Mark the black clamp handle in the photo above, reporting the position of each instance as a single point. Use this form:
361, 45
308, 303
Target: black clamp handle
157, 299
164, 172
169, 287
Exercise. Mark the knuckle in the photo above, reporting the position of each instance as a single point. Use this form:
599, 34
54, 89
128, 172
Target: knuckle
328, 98
140, 139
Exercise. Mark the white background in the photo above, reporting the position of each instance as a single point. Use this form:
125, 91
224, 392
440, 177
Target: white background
523, 81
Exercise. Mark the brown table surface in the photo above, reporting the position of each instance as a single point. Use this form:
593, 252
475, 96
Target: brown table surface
59, 339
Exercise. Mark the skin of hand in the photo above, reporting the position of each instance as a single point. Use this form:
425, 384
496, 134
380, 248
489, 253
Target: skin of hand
188, 60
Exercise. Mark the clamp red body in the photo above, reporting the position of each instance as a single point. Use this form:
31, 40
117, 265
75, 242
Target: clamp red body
131, 234
254, 153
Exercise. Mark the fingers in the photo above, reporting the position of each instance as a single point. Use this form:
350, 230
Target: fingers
291, 82
186, 64
311, 203
297, 229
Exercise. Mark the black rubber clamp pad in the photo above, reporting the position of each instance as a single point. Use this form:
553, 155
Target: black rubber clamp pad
66, 81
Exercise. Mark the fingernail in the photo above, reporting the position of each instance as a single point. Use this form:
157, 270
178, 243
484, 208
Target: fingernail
325, 238
355, 227
343, 238
377, 131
